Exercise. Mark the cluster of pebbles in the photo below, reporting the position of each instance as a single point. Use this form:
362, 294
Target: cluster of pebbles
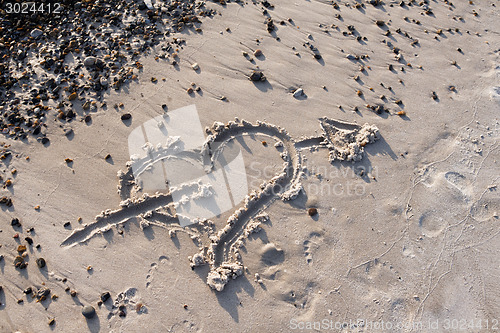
58, 65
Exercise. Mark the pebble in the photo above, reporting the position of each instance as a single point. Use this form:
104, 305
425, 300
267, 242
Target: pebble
90, 61
298, 93
43, 293
312, 211
104, 82
35, 33
40, 262
15, 222
257, 76
126, 116
105, 296
195, 66
88, 311
257, 53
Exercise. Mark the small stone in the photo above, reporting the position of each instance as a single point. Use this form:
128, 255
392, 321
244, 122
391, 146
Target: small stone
21, 248
89, 61
88, 311
380, 23
312, 211
298, 93
257, 53
35, 33
15, 222
73, 96
40, 262
189, 90
52, 322
88, 118
195, 66
104, 82
257, 76
105, 296
43, 293
107, 157
126, 116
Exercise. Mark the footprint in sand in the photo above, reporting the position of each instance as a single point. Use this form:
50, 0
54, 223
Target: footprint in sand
311, 245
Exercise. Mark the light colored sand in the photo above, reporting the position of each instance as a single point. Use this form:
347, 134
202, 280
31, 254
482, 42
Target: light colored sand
415, 238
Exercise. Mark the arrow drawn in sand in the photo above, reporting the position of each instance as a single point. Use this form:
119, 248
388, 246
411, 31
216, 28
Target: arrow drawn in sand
344, 141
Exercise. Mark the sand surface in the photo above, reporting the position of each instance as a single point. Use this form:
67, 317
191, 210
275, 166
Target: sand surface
408, 235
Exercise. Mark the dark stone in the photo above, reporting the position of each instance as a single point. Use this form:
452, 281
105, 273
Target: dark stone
41, 263
312, 211
88, 311
257, 76
43, 293
105, 296
126, 116
15, 222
